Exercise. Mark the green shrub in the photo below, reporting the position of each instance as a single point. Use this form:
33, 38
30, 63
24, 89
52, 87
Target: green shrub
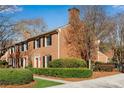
67, 63
3, 64
98, 62
29, 65
63, 72
108, 67
15, 76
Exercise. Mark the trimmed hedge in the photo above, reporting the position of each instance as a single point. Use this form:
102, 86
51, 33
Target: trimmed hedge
15, 76
108, 67
63, 72
67, 63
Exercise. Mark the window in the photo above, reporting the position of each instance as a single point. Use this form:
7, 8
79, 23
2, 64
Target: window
46, 60
37, 43
48, 40
49, 58
12, 50
24, 46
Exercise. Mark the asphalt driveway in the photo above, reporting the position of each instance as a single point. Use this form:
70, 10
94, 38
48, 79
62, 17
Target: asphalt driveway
115, 81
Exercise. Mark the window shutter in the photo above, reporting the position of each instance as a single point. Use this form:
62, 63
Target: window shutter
50, 39
43, 58
39, 42
43, 61
43, 41
34, 44
50, 58
27, 46
22, 47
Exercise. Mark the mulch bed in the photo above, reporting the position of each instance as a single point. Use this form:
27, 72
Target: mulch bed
95, 75
30, 85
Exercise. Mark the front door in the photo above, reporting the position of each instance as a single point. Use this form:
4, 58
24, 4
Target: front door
46, 60
37, 62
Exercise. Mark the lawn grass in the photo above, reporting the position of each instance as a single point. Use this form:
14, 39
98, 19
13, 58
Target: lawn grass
40, 83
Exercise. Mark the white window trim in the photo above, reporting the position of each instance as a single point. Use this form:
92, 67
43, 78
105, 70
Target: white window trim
36, 43
10, 51
59, 32
46, 62
45, 41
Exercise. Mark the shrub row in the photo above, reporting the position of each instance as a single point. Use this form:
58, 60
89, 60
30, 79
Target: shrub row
108, 67
67, 63
15, 76
63, 72
100, 63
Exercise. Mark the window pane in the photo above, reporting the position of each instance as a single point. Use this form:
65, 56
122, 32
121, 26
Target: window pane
38, 43
49, 40
49, 58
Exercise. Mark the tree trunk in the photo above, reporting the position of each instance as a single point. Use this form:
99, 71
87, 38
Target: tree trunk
90, 64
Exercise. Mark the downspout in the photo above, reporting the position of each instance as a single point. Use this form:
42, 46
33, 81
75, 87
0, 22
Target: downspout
59, 31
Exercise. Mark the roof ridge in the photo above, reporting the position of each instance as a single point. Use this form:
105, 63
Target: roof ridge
49, 31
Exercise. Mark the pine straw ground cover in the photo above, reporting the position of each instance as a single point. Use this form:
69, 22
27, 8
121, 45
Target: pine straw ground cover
94, 76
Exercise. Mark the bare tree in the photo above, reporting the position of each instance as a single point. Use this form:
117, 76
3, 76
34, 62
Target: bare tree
99, 24
97, 19
6, 28
118, 39
84, 35
27, 29
30, 27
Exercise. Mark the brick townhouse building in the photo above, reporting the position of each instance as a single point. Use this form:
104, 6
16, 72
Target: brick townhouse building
41, 49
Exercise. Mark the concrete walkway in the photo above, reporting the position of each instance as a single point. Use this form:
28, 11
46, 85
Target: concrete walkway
115, 81
56, 80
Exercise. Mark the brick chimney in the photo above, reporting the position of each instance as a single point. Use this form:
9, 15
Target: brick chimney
74, 15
